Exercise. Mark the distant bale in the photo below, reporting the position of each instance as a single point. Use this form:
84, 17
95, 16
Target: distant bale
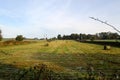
106, 47
46, 44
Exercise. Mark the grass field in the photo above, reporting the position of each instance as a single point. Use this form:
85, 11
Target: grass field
61, 56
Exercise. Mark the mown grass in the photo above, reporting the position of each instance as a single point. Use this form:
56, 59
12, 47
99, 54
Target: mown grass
62, 56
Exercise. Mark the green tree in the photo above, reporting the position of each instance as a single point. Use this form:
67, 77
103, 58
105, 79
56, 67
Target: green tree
19, 38
59, 37
1, 35
74, 36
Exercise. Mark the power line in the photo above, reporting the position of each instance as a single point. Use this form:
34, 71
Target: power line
104, 22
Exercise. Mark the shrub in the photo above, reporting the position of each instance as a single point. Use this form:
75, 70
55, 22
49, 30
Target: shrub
19, 38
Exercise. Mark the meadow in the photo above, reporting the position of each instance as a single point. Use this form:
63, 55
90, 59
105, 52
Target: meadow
59, 60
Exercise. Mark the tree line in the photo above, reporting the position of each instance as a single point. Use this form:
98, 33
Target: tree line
97, 36
76, 36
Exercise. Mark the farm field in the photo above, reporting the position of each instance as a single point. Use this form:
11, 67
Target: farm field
65, 58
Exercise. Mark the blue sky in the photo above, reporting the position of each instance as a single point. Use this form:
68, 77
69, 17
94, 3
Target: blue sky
37, 18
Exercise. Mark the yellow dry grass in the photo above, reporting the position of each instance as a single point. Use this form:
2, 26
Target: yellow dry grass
59, 55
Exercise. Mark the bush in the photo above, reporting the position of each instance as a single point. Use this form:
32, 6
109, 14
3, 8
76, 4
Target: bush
19, 38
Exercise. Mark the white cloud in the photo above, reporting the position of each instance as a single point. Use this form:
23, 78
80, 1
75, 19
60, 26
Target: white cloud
52, 18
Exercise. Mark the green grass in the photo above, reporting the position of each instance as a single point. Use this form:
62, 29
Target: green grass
64, 56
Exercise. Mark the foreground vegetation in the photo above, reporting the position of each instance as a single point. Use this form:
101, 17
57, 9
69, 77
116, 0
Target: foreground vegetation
59, 60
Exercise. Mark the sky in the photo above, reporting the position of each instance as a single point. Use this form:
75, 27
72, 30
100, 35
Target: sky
48, 18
